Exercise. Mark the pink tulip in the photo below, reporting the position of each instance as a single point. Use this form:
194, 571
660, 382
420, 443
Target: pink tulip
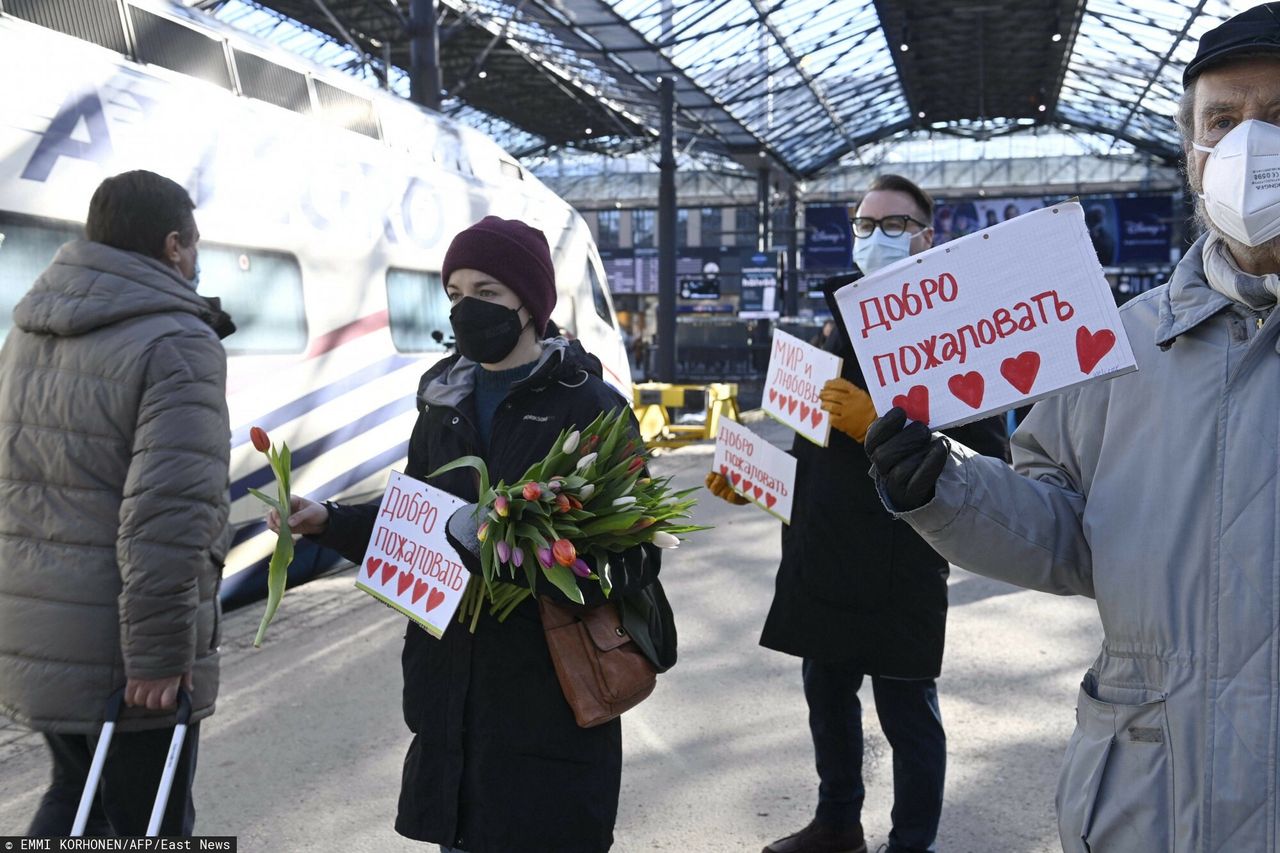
564, 552
532, 491
544, 557
580, 568
503, 550
502, 506
517, 557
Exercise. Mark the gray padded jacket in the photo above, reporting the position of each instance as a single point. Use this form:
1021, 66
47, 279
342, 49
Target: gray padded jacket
1156, 494
114, 447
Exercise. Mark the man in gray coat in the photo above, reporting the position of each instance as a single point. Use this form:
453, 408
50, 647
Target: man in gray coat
1157, 494
114, 447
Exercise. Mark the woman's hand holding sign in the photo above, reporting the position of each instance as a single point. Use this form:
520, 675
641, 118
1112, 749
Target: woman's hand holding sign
908, 457
719, 486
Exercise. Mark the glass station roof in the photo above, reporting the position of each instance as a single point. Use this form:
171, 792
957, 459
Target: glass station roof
806, 82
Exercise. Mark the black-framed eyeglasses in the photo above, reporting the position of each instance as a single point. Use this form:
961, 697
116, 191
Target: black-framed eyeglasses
892, 226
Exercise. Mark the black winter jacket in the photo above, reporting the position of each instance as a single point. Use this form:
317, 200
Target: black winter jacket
497, 763
854, 585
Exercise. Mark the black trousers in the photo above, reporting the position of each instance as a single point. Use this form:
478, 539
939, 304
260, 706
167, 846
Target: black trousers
127, 789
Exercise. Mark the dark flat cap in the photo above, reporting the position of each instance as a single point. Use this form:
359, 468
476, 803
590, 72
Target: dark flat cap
1256, 29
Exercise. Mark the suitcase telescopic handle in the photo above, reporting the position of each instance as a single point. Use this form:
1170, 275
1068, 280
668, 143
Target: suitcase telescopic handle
111, 715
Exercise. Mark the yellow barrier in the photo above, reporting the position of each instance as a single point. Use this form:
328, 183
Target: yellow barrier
654, 400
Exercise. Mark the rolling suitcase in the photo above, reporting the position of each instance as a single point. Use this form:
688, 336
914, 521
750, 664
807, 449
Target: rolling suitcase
112, 714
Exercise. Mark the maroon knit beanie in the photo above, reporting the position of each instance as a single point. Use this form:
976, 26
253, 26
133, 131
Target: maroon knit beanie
515, 254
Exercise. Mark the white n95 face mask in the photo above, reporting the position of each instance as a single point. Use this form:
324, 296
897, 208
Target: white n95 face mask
878, 251
1241, 184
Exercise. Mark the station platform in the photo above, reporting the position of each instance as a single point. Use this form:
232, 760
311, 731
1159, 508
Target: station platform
305, 750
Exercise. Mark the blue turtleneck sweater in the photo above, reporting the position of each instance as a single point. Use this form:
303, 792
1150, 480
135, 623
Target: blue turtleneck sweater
491, 389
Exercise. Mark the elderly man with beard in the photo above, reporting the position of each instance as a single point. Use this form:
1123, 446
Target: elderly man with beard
1157, 494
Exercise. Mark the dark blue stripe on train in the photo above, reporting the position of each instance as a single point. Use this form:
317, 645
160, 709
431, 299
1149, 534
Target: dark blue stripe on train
309, 559
299, 407
250, 585
263, 476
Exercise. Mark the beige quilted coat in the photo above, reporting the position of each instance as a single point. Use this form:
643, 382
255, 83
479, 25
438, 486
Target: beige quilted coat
113, 489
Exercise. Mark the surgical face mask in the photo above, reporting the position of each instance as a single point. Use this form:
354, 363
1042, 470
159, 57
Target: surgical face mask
485, 332
1241, 182
878, 251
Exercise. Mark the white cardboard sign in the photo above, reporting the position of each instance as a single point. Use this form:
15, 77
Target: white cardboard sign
755, 468
993, 320
410, 565
797, 372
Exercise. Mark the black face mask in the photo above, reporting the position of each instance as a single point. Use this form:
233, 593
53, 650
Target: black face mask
485, 332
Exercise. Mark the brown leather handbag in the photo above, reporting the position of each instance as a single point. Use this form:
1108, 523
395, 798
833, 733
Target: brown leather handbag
602, 671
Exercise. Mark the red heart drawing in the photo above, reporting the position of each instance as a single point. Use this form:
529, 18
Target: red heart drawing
419, 587
915, 403
758, 491
724, 470
782, 402
746, 486
1091, 347
816, 417
373, 563
968, 388
434, 599
388, 572
769, 501
735, 477
1021, 371
773, 394
406, 579
791, 405
804, 412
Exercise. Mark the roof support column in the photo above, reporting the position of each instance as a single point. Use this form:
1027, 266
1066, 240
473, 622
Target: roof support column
792, 308
667, 237
424, 55
762, 209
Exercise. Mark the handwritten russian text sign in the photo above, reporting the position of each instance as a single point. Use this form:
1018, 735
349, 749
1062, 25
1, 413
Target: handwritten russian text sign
409, 564
756, 469
990, 321
797, 372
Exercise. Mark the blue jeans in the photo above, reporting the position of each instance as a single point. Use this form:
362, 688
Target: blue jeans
912, 723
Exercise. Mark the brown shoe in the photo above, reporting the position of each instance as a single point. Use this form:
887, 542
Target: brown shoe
821, 838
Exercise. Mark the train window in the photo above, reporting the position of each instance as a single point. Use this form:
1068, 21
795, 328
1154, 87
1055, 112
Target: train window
275, 84
171, 45
97, 21
598, 296
418, 311
26, 248
347, 110
262, 291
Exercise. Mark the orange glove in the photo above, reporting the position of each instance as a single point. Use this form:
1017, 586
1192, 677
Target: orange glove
720, 487
849, 406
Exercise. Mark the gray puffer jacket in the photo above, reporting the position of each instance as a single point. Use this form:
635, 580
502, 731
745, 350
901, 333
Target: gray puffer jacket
114, 447
1157, 494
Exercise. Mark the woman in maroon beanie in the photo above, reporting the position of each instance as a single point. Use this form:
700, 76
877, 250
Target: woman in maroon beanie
497, 763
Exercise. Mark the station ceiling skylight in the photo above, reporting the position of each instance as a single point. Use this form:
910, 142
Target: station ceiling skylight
805, 82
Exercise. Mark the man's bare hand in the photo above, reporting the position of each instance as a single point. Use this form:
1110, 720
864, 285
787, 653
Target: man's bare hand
155, 694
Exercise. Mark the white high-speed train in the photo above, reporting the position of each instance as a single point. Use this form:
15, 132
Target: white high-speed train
325, 210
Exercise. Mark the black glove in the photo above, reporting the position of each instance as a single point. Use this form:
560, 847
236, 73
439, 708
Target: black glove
909, 461
462, 532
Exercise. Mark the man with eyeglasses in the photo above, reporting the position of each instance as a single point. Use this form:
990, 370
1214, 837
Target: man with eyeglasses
858, 594
1157, 494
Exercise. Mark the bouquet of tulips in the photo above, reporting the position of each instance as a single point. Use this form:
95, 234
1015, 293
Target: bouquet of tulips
588, 498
